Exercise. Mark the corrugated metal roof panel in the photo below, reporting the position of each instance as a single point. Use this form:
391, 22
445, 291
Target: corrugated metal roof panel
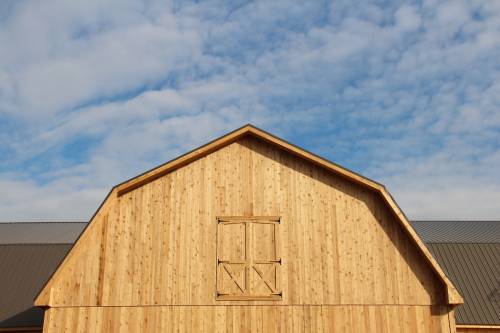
25, 268
474, 269
40, 232
458, 231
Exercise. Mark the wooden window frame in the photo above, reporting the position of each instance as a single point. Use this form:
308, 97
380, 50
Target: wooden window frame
248, 262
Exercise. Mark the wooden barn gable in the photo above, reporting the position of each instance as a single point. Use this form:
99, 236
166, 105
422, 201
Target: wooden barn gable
237, 221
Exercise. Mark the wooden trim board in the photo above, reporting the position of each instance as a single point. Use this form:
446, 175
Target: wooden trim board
27, 329
488, 327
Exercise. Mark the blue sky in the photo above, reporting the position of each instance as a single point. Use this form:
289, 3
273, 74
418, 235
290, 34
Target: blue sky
94, 92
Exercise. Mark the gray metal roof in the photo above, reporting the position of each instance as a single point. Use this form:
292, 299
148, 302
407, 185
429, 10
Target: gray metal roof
474, 269
469, 253
40, 232
29, 253
458, 231
24, 270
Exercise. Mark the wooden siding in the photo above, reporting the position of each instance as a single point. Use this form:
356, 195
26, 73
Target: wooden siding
452, 297
317, 319
341, 244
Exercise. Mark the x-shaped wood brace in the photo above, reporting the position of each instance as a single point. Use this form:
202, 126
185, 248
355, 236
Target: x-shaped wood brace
264, 277
233, 277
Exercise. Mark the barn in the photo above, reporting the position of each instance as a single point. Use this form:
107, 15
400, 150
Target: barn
249, 233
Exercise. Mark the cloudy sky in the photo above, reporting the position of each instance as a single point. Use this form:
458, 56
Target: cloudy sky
94, 92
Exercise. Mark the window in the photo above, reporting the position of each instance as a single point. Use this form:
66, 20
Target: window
248, 262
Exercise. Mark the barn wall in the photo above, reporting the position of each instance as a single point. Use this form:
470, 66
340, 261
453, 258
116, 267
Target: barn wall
156, 245
345, 319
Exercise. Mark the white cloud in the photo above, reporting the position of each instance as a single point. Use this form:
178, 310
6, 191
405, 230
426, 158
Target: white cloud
25, 200
407, 18
406, 94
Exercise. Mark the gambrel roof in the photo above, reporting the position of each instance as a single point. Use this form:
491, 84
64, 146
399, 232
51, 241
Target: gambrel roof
453, 297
